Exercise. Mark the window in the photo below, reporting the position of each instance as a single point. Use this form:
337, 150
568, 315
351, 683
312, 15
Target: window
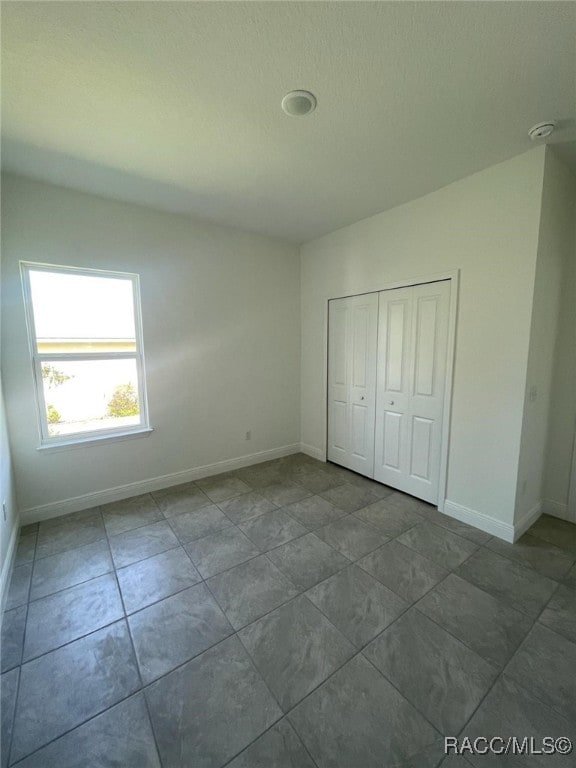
85, 336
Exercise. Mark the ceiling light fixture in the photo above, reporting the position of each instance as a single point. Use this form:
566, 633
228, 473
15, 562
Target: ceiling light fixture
541, 130
299, 103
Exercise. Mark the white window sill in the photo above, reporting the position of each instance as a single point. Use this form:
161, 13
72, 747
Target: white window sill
80, 442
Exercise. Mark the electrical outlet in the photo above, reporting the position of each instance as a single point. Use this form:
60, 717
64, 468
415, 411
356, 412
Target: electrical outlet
249, 435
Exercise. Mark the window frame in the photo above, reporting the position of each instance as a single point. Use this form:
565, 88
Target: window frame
39, 358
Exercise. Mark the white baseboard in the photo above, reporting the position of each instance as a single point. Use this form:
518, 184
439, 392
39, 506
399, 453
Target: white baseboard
312, 451
7, 566
479, 520
528, 519
505, 531
88, 500
557, 509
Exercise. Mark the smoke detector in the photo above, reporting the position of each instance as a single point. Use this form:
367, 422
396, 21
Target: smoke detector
299, 103
541, 130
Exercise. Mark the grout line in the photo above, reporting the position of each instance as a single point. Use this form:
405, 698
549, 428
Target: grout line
125, 619
16, 697
503, 671
526, 564
131, 695
407, 700
151, 723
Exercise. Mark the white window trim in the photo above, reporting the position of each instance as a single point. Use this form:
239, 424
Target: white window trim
88, 437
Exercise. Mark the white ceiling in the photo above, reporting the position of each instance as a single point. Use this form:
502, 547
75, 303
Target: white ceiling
177, 105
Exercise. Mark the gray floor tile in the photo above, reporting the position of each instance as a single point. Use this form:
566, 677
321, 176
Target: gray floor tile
403, 570
193, 525
379, 490
71, 517
279, 747
522, 588
131, 546
30, 528
250, 590
19, 586
456, 526
388, 520
74, 533
307, 560
120, 516
560, 613
181, 498
8, 691
234, 709
443, 678
222, 487
510, 710
544, 665
66, 687
272, 529
314, 512
488, 626
407, 502
121, 736
570, 577
357, 719
340, 473
156, 577
351, 537
285, 492
358, 605
345, 475
349, 497
248, 505
440, 654
175, 630
298, 471
300, 458
65, 616
295, 649
66, 569
439, 545
13, 623
555, 531
260, 475
220, 551
315, 480
536, 553
25, 549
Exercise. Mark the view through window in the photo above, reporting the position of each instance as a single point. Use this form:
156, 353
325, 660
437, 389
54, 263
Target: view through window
87, 351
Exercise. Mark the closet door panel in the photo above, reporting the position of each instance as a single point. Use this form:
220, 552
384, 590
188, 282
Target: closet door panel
338, 385
393, 387
352, 381
413, 334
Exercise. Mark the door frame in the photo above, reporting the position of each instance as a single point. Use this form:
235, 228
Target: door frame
454, 277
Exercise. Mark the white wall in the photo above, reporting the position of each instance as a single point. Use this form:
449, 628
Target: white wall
486, 226
221, 335
555, 253
8, 526
562, 222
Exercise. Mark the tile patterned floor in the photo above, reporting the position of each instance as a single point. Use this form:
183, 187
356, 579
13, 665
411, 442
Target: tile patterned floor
290, 614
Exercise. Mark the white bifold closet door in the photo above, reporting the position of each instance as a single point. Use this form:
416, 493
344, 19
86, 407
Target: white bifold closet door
412, 349
352, 349
387, 355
